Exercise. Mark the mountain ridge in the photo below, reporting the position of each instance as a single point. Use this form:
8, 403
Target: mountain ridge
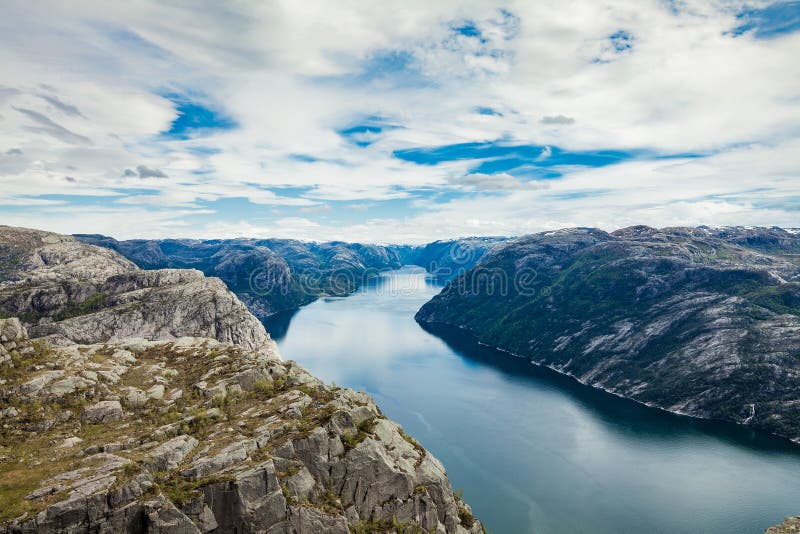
274, 275
695, 321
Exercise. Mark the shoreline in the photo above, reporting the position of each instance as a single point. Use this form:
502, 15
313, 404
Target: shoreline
793, 442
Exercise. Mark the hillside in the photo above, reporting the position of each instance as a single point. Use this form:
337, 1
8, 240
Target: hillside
698, 321
162, 406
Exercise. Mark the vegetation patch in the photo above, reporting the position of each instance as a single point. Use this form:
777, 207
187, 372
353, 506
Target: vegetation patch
364, 430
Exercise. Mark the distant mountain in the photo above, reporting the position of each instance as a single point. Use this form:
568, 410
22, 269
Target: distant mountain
272, 275
699, 321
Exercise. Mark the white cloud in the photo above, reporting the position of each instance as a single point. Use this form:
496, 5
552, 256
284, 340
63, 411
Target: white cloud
90, 79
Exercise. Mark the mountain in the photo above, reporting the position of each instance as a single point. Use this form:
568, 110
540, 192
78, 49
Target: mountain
153, 401
449, 258
699, 321
273, 275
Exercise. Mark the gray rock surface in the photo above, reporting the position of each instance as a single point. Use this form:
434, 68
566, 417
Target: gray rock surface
83, 293
103, 412
259, 446
115, 420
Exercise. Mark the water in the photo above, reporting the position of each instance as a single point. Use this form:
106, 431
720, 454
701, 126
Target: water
532, 450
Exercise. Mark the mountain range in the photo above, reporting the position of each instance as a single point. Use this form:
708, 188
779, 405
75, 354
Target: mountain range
273, 275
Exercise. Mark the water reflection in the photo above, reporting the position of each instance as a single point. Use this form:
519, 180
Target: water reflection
535, 451
631, 418
278, 324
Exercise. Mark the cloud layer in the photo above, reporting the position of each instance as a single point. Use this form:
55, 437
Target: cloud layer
437, 119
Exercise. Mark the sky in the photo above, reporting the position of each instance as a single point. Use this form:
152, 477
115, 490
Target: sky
397, 122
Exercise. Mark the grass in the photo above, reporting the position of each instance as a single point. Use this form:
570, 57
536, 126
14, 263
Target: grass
34, 458
363, 430
331, 503
75, 309
466, 519
416, 444
180, 490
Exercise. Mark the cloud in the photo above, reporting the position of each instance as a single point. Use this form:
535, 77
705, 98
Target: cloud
68, 109
496, 182
322, 208
147, 172
557, 119
51, 128
6, 92
413, 112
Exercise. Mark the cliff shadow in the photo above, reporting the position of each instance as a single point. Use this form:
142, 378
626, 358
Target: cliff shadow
626, 416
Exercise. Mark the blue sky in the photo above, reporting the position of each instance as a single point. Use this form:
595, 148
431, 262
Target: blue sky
438, 119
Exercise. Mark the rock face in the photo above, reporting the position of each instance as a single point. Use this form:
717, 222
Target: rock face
238, 442
703, 322
103, 430
64, 288
272, 275
790, 525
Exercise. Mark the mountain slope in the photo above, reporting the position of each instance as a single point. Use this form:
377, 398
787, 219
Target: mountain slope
182, 434
699, 321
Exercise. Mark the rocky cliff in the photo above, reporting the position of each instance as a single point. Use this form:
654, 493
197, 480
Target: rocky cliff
113, 419
66, 289
790, 525
699, 321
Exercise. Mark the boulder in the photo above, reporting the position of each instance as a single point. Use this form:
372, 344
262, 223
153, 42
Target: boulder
103, 412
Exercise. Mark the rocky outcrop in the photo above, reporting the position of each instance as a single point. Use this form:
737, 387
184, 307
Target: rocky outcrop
153, 401
233, 441
790, 525
63, 288
697, 321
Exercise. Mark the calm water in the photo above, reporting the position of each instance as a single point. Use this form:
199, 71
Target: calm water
534, 451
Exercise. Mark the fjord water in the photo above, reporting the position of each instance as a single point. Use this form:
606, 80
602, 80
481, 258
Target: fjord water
532, 450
